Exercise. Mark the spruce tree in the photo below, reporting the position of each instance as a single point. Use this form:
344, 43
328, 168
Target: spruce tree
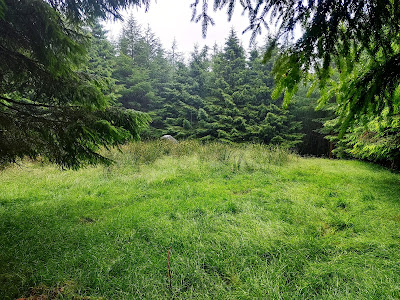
101, 62
49, 105
226, 122
358, 37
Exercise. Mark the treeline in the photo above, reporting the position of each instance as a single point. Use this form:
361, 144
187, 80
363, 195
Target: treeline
225, 94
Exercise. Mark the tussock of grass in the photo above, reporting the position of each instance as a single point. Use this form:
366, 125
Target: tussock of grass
243, 222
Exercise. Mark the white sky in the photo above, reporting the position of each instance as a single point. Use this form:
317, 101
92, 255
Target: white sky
170, 19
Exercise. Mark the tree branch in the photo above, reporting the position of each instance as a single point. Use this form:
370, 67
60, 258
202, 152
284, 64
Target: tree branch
37, 104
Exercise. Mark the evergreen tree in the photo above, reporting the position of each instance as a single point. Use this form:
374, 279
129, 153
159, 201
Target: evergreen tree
143, 74
178, 109
150, 45
134, 67
181, 97
199, 72
101, 63
226, 122
358, 37
129, 41
174, 55
378, 140
271, 123
49, 106
239, 106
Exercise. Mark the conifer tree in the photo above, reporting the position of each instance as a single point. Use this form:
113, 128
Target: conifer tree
101, 63
378, 140
130, 37
199, 72
358, 37
239, 107
49, 106
226, 121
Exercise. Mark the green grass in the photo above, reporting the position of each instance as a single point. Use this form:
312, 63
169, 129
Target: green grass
243, 222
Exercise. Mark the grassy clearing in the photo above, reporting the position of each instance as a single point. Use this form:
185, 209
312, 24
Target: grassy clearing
243, 222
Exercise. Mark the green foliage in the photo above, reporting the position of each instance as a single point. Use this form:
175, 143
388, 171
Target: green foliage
231, 102
360, 38
226, 97
68, 136
49, 105
101, 62
377, 141
90, 10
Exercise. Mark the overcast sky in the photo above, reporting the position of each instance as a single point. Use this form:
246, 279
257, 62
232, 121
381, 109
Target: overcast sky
170, 19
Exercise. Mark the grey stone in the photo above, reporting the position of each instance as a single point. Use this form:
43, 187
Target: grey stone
169, 138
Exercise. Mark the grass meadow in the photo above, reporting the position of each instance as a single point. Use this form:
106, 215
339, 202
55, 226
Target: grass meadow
232, 222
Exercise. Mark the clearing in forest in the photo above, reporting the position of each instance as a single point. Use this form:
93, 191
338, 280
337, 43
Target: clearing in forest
241, 222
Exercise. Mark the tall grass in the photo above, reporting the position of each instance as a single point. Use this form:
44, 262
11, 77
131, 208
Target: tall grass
242, 222
247, 156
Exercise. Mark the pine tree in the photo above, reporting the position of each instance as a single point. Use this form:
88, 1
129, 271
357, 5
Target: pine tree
181, 97
199, 65
49, 106
130, 37
101, 63
177, 109
226, 122
174, 55
360, 38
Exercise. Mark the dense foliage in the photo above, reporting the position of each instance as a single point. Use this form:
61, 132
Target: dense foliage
349, 49
49, 105
358, 37
223, 96
377, 140
65, 91
226, 95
